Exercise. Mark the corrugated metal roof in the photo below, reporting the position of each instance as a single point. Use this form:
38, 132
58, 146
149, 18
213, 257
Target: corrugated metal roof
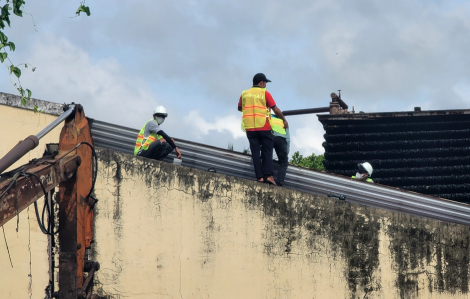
422, 151
231, 163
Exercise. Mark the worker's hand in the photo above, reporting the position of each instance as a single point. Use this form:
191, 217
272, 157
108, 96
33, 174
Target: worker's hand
178, 153
162, 140
286, 124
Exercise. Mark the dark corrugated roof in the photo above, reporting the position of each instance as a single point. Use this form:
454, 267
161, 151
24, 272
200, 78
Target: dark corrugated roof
422, 151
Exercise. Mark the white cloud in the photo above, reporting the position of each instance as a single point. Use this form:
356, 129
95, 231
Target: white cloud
308, 139
228, 124
121, 62
66, 73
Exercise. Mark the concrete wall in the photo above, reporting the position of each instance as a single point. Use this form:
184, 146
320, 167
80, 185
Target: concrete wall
165, 231
28, 246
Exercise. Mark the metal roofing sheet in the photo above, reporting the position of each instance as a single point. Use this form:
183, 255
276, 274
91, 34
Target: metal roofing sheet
231, 163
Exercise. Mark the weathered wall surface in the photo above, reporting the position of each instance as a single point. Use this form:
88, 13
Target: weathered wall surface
28, 246
165, 231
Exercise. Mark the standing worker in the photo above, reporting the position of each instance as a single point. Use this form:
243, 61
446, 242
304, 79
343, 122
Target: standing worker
281, 146
255, 103
364, 171
152, 142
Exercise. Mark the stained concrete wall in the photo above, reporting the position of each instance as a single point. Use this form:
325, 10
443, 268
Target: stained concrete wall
165, 231
28, 277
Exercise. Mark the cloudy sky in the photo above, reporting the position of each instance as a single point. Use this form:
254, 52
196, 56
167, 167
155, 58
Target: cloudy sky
195, 58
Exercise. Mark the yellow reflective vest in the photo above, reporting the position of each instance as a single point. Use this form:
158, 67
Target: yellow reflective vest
367, 180
277, 125
144, 142
254, 108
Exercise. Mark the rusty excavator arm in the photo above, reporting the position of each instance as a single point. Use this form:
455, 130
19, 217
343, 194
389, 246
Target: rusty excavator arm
73, 169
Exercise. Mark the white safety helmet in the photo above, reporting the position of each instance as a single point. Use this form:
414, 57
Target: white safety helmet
160, 110
365, 167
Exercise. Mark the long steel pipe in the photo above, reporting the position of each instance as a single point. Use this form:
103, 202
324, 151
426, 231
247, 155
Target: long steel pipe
306, 111
30, 142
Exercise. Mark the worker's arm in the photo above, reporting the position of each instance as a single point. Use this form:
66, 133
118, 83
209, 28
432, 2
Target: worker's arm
240, 104
170, 142
288, 140
279, 114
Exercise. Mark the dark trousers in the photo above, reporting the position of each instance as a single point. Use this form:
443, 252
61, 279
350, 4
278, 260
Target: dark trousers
262, 160
157, 150
280, 145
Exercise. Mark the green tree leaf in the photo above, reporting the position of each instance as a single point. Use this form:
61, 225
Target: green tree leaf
3, 38
15, 70
6, 14
36, 109
29, 93
83, 8
3, 56
313, 161
17, 7
12, 46
24, 101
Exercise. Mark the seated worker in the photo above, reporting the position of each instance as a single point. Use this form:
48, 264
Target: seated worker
152, 142
281, 146
364, 172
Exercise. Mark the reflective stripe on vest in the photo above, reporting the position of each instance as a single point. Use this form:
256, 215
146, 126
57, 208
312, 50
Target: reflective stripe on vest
144, 142
254, 108
277, 125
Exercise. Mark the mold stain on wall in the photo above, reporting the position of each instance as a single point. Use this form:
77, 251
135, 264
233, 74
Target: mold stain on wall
427, 256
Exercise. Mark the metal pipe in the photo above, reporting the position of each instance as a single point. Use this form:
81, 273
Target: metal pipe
336, 98
342, 103
306, 111
30, 142
56, 122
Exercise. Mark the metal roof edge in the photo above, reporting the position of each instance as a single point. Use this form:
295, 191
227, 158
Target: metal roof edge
11, 100
203, 157
373, 115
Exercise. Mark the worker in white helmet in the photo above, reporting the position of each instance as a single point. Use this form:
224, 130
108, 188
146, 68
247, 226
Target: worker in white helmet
152, 142
364, 172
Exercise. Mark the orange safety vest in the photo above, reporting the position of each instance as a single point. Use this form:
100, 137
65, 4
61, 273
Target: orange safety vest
140, 143
254, 108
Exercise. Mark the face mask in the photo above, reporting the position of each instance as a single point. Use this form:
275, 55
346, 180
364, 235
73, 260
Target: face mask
160, 120
359, 175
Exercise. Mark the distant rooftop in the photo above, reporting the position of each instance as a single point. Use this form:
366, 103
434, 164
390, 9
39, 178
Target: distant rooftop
369, 115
